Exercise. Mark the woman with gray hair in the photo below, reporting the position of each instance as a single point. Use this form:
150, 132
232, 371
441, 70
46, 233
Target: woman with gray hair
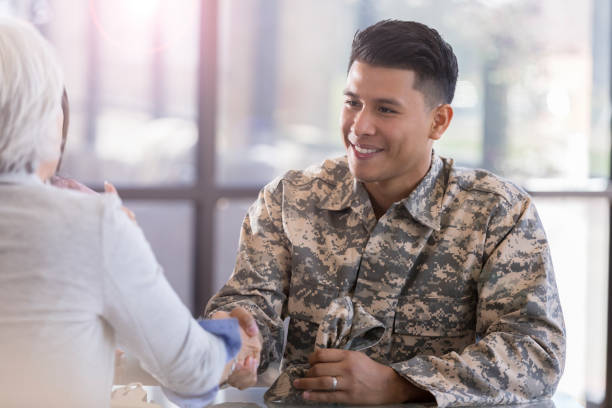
77, 276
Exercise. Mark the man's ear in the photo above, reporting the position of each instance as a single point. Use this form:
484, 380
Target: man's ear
442, 116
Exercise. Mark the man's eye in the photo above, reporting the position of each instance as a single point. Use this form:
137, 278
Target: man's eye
382, 109
352, 103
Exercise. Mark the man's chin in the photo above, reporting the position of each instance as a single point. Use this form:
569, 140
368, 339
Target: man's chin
363, 166
362, 175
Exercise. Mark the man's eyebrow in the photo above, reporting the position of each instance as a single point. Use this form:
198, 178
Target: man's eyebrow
388, 101
383, 101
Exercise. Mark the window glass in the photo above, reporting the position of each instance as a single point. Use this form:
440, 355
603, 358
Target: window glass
131, 76
169, 228
280, 86
229, 215
577, 230
531, 102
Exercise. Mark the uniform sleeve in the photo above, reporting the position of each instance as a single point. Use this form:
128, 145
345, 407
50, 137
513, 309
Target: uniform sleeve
519, 353
147, 316
261, 275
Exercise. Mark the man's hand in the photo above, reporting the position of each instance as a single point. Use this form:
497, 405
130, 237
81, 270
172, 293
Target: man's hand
360, 380
247, 360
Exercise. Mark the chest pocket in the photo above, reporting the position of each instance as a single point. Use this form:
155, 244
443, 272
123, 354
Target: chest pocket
435, 316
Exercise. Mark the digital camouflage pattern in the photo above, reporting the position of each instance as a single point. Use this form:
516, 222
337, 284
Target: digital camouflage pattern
459, 273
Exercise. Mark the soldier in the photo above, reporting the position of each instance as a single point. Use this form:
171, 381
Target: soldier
451, 264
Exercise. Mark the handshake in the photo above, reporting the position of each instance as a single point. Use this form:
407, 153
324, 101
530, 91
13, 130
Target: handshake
241, 372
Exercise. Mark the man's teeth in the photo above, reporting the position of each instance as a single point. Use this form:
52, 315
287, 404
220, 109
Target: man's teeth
365, 151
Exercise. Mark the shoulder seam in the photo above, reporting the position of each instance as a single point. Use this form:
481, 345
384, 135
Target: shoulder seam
313, 179
482, 190
308, 179
506, 196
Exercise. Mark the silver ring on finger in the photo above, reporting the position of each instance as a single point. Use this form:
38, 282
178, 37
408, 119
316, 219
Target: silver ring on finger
334, 383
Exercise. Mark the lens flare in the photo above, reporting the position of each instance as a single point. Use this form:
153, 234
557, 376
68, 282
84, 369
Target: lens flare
142, 26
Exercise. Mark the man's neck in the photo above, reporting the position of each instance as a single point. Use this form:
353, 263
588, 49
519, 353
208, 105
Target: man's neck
384, 194
382, 199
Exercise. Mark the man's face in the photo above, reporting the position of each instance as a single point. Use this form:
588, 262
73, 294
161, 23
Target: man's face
387, 126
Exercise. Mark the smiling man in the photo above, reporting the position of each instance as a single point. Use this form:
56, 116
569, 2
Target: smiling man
405, 277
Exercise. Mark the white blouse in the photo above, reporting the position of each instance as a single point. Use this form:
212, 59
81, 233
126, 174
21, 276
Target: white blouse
77, 276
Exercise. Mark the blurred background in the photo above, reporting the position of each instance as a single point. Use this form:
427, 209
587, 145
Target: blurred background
191, 106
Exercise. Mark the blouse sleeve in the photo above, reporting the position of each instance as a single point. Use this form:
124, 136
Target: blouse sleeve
148, 318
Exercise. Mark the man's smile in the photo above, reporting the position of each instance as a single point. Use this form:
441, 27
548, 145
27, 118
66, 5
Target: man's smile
364, 151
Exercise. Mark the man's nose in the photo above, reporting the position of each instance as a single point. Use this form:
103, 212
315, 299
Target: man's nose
363, 124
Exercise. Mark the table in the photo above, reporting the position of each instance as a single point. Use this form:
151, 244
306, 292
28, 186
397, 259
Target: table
253, 398
127, 370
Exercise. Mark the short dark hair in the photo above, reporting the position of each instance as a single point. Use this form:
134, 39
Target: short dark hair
414, 46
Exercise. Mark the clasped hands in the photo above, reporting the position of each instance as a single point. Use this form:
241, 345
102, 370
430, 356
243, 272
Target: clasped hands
244, 372
245, 364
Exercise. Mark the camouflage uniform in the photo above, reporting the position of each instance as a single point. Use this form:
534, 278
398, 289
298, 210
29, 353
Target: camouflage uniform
459, 273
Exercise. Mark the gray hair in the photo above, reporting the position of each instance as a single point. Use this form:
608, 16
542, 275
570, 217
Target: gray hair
31, 85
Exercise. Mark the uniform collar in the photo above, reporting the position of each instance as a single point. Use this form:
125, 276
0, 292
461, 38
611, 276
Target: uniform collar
343, 187
423, 204
425, 201
345, 192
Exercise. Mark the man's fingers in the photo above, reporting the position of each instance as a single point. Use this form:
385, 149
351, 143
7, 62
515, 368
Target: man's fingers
220, 315
341, 397
324, 369
241, 377
244, 317
246, 321
244, 375
326, 356
323, 383
250, 364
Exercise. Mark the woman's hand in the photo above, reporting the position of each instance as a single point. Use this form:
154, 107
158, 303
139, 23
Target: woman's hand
71, 184
244, 374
